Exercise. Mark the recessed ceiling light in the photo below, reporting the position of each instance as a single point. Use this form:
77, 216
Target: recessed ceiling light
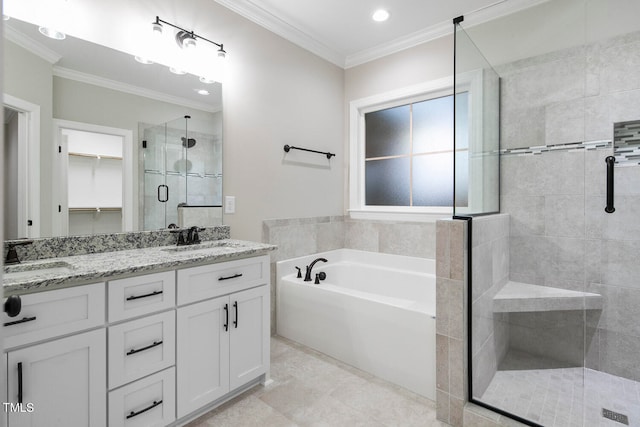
206, 80
142, 60
51, 33
177, 71
203, 92
5, 17
380, 15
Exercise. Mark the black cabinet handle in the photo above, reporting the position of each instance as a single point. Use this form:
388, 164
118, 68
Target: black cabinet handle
23, 320
231, 277
132, 297
235, 322
142, 411
226, 317
19, 382
134, 351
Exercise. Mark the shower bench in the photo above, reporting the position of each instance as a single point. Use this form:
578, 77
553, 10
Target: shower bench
525, 297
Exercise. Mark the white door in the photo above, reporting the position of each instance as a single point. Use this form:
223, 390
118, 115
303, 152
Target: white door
203, 354
249, 335
62, 381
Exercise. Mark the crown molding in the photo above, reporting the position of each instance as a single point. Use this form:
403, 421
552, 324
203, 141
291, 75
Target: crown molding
91, 79
266, 19
31, 45
259, 15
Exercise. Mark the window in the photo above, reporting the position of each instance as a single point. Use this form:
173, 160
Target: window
409, 153
401, 152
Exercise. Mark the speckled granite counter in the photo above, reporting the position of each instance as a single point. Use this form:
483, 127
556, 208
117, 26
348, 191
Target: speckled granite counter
59, 272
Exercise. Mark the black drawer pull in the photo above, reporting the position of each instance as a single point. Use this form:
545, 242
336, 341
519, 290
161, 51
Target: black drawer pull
19, 382
226, 317
132, 297
231, 277
23, 320
142, 411
134, 351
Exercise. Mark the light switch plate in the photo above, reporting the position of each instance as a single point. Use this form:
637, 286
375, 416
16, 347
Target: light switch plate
229, 204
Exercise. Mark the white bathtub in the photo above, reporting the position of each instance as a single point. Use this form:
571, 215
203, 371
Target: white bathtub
374, 311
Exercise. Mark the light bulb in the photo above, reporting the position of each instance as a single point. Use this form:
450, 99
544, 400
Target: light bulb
51, 33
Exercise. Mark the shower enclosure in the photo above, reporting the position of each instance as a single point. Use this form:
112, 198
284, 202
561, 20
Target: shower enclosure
182, 168
556, 341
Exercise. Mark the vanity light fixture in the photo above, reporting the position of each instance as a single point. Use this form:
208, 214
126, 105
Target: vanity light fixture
177, 71
380, 15
142, 60
207, 81
185, 39
51, 33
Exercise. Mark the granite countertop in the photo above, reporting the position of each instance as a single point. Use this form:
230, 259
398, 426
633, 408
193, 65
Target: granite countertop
53, 273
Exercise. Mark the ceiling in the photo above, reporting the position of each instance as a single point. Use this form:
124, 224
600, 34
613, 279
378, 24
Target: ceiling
344, 33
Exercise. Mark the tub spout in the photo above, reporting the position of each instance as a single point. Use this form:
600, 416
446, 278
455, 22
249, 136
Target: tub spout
307, 276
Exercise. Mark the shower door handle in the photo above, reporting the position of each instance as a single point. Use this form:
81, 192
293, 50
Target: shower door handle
610, 160
166, 193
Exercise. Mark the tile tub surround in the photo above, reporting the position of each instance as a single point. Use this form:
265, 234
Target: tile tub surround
52, 247
560, 235
297, 237
89, 268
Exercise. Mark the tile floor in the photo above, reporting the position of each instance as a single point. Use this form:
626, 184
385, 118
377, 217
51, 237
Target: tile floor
312, 389
565, 397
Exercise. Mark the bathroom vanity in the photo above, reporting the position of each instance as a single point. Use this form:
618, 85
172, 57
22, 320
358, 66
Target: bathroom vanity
146, 337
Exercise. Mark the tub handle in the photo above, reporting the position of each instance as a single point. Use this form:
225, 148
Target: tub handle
299, 276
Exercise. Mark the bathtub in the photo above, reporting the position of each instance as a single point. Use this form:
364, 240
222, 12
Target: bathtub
373, 311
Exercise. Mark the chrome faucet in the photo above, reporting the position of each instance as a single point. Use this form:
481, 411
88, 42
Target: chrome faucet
307, 275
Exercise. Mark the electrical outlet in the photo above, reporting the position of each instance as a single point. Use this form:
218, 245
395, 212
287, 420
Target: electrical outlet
229, 204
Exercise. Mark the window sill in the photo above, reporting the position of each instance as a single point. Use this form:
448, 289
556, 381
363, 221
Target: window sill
401, 215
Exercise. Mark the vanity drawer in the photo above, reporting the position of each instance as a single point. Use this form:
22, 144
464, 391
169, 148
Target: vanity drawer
49, 314
209, 281
148, 402
141, 347
140, 295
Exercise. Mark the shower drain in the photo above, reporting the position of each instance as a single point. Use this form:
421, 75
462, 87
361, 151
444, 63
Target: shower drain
609, 414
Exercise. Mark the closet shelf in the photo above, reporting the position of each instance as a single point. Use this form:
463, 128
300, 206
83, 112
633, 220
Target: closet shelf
95, 156
522, 297
96, 209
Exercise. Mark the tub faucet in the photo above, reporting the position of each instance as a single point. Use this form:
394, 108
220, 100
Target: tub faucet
307, 276
12, 254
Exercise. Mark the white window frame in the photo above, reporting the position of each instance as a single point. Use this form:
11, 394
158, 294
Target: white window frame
468, 82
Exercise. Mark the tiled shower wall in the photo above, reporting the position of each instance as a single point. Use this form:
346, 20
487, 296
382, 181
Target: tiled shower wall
560, 233
297, 237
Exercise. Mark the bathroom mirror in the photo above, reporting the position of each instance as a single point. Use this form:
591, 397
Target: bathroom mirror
626, 142
75, 81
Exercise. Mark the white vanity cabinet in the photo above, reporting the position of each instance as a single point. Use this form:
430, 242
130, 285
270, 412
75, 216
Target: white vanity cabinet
222, 342
55, 369
142, 350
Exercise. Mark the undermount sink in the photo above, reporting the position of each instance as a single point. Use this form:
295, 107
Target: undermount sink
204, 245
30, 269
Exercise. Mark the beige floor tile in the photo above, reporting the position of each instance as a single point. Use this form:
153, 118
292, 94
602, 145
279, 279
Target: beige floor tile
312, 389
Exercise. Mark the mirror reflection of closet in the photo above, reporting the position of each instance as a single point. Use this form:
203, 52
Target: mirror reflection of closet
94, 168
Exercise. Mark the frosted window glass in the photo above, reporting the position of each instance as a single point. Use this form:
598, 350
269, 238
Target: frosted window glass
462, 120
433, 179
433, 125
388, 132
387, 182
462, 178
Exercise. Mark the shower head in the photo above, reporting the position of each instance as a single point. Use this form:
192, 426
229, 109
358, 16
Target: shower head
188, 143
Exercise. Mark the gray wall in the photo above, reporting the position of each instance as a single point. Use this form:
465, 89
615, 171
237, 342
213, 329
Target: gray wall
10, 176
560, 234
